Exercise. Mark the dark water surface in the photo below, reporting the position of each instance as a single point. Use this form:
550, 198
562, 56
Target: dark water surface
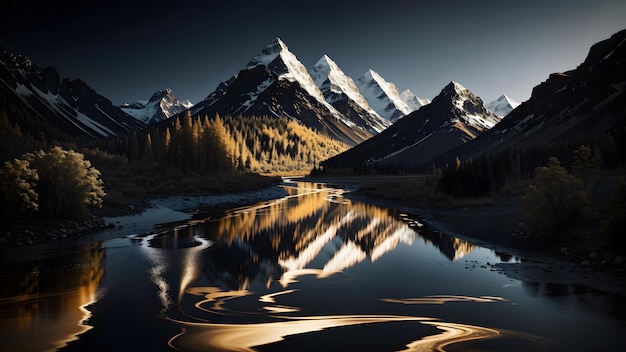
309, 272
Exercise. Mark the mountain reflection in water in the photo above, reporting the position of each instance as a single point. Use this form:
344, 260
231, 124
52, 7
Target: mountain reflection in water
313, 232
277, 241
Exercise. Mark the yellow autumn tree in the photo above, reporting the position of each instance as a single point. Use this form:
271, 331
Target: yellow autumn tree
67, 183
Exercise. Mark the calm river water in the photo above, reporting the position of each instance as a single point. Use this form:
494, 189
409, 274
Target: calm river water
309, 272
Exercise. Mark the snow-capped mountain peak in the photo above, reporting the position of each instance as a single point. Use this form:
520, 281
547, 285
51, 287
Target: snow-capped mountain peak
268, 54
342, 93
458, 87
161, 105
382, 96
470, 108
502, 106
282, 62
326, 72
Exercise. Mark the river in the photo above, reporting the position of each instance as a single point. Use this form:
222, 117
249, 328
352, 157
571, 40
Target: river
307, 272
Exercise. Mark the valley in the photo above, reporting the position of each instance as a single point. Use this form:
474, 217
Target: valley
223, 222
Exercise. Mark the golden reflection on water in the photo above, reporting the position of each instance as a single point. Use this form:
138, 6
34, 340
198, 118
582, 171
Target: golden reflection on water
441, 299
201, 335
298, 227
48, 310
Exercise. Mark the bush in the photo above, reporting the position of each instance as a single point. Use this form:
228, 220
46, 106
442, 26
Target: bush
554, 201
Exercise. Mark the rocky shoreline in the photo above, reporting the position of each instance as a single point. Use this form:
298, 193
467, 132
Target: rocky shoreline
27, 236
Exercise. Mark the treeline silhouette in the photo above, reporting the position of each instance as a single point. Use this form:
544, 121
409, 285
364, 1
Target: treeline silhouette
490, 172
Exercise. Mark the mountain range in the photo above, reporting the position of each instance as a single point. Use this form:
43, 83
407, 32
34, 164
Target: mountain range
576, 105
276, 83
386, 127
453, 118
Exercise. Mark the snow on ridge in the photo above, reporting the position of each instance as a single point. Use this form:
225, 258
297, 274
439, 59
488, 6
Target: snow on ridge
269, 53
327, 70
412, 100
294, 72
372, 86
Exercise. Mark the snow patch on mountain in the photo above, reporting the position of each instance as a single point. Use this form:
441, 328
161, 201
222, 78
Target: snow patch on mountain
502, 106
412, 100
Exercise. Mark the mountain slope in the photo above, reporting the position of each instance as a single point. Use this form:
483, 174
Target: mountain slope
69, 106
276, 84
342, 93
162, 105
453, 118
580, 104
382, 96
502, 106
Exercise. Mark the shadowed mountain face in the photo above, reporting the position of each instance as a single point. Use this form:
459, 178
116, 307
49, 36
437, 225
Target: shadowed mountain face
56, 105
580, 104
453, 118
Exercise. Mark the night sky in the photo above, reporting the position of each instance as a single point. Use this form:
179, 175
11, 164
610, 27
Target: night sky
127, 50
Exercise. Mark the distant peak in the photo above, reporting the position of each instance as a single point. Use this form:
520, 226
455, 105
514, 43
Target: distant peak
506, 99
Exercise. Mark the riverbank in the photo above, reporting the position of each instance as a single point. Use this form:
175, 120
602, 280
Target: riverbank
497, 224
140, 219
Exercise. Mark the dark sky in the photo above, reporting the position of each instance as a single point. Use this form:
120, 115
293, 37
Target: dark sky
127, 50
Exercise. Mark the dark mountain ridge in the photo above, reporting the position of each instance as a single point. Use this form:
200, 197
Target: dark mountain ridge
58, 106
580, 104
453, 118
